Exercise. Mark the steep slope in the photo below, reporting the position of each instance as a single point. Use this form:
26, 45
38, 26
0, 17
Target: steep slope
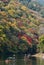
34, 5
18, 28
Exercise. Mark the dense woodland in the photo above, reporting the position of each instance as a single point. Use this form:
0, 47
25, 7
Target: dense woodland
20, 29
34, 5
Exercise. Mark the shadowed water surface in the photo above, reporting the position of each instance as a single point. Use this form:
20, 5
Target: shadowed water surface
26, 61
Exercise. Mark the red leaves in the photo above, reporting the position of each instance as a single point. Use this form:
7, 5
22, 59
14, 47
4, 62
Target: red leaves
19, 35
29, 39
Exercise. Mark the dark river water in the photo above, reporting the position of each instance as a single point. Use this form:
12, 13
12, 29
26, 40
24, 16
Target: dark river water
22, 61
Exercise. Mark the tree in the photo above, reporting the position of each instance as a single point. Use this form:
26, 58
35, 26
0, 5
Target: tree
41, 41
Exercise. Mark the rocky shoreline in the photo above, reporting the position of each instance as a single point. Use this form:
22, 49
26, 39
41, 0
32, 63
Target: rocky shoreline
39, 55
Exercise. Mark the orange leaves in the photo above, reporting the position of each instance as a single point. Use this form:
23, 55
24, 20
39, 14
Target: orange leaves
4, 20
32, 30
23, 8
3, 13
23, 37
28, 39
12, 24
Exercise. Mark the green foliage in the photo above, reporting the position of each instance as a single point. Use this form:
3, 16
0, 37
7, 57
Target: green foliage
41, 43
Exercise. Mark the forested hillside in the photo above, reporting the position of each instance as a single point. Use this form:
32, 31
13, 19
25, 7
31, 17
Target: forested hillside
19, 28
35, 5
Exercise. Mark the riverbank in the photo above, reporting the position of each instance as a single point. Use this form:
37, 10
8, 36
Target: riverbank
39, 55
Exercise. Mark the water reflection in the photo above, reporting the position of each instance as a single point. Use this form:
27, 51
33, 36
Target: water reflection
30, 61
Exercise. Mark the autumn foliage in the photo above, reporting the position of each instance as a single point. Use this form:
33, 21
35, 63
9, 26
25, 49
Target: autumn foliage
18, 28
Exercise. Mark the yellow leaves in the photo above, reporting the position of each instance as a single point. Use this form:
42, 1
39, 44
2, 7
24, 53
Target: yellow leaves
0, 30
1, 38
9, 23
7, 7
3, 13
33, 14
41, 38
1, 27
31, 19
11, 12
15, 5
14, 24
4, 35
37, 22
26, 30
4, 20
32, 24
24, 38
23, 8
23, 27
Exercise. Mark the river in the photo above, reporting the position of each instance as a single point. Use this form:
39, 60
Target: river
23, 61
